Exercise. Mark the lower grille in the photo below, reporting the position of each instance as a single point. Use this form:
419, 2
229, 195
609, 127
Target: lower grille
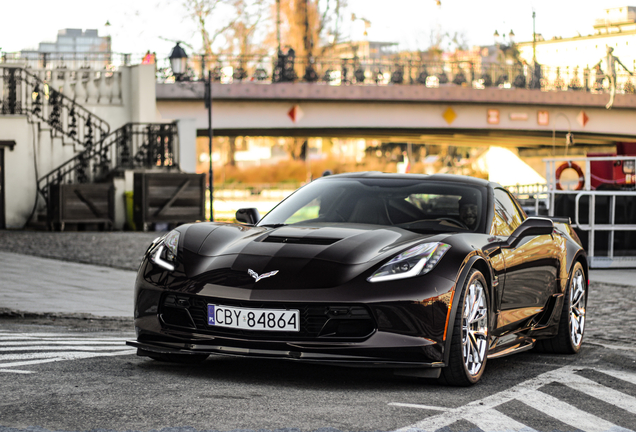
324, 321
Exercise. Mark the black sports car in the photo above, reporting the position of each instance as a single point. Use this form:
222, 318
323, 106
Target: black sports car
430, 275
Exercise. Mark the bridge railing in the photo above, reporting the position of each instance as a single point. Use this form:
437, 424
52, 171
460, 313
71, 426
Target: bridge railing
339, 71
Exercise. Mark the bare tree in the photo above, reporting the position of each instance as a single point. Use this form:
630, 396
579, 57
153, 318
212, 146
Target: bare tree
312, 27
243, 18
250, 15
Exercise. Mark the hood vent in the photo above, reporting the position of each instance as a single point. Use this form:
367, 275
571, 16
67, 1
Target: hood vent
301, 240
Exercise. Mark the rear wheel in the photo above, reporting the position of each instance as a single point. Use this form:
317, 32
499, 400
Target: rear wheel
572, 323
469, 343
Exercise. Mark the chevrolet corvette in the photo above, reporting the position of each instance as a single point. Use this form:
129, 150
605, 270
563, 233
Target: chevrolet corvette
430, 275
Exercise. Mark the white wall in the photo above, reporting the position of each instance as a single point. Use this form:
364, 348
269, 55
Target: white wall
19, 171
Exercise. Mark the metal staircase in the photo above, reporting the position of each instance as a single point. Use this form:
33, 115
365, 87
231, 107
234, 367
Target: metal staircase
133, 146
99, 154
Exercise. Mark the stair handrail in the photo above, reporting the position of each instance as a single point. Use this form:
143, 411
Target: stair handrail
38, 99
101, 160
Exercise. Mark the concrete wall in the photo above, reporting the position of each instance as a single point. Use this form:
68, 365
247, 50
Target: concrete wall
19, 170
248, 115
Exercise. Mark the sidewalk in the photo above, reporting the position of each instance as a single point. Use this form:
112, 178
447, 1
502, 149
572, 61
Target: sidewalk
42, 285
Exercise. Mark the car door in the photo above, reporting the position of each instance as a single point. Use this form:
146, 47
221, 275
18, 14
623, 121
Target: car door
530, 266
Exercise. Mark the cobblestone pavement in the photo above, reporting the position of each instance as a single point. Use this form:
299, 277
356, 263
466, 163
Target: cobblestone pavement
611, 307
611, 314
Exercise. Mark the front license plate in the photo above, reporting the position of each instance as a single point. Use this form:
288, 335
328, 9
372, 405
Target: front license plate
253, 319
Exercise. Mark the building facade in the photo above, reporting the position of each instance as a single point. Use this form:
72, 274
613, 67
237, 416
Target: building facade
616, 28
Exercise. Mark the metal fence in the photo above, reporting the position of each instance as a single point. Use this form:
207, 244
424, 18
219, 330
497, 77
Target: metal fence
347, 71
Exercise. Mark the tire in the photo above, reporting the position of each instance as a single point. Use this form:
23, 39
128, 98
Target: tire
572, 322
470, 338
180, 358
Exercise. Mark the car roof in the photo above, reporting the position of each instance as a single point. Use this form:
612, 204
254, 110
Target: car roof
454, 178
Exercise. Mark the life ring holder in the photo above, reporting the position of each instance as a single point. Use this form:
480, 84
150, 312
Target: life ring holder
576, 168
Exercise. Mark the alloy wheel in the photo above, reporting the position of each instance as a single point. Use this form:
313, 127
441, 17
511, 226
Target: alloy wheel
578, 300
475, 327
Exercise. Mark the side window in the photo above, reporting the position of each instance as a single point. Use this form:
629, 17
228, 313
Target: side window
507, 215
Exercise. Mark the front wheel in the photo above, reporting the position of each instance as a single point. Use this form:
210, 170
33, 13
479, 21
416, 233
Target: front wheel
572, 323
469, 343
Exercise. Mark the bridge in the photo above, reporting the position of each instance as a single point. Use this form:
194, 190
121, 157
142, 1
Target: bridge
451, 114
459, 103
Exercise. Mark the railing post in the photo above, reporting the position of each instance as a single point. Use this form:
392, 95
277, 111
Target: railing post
592, 221
612, 209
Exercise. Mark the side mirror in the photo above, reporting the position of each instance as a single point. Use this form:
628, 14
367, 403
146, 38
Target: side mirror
533, 226
248, 216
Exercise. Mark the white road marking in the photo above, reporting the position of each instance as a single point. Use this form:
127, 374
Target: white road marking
60, 348
630, 378
528, 392
67, 356
28, 349
37, 355
598, 391
427, 407
51, 335
55, 337
566, 413
50, 342
493, 421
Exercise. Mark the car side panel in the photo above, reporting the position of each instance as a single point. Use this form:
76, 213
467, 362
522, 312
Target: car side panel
532, 271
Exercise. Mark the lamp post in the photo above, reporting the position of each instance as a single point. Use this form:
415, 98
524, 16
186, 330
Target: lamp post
534, 39
178, 62
208, 105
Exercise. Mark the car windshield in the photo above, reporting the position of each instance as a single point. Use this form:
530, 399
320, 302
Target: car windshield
414, 204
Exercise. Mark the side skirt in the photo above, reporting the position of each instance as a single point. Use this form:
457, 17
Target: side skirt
520, 344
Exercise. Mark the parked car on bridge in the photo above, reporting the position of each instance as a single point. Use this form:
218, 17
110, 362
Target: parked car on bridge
428, 275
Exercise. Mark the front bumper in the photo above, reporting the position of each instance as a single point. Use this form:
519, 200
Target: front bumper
382, 349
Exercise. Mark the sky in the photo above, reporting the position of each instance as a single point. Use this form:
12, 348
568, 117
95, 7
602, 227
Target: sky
140, 25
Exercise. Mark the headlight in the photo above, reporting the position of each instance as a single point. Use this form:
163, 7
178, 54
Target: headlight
416, 261
166, 253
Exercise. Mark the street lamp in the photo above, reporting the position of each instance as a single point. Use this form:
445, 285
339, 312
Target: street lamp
178, 62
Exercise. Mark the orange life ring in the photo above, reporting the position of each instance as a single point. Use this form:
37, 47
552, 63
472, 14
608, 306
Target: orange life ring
576, 168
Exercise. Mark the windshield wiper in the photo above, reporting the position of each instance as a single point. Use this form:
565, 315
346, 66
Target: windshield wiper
274, 225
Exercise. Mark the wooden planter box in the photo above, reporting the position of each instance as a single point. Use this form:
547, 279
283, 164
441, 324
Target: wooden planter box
81, 204
168, 198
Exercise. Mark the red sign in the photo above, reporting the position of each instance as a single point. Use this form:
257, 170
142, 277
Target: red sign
295, 113
543, 118
493, 116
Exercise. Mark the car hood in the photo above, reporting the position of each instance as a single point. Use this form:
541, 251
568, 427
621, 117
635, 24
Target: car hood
303, 255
